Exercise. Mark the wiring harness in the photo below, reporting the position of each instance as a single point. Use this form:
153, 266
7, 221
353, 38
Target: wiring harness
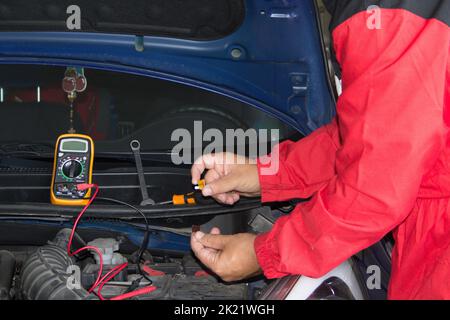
101, 281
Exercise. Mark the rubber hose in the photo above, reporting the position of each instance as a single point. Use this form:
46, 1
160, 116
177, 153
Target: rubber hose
45, 274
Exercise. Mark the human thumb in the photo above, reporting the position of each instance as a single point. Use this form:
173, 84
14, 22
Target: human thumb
222, 185
214, 241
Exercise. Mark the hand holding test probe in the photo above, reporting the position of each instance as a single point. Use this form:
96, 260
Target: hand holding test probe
228, 177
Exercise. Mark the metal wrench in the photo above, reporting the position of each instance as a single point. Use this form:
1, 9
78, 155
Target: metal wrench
136, 148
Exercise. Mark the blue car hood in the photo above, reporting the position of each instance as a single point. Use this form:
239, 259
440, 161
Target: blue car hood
273, 60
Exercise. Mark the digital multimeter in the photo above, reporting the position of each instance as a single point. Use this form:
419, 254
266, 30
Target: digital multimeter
74, 157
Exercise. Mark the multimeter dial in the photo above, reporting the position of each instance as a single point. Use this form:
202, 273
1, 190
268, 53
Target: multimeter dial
72, 169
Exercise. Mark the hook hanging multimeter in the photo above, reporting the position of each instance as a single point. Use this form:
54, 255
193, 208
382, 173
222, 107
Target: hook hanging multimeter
74, 157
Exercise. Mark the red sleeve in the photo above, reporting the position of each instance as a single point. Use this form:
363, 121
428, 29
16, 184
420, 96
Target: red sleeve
303, 167
390, 119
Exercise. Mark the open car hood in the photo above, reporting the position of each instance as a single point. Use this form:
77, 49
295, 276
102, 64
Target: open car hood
265, 53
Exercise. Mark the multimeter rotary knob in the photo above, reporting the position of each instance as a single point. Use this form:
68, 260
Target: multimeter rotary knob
72, 169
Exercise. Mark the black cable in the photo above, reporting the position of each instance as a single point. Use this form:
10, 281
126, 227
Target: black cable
145, 240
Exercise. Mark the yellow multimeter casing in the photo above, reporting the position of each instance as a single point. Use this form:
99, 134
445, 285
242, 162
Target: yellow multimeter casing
74, 159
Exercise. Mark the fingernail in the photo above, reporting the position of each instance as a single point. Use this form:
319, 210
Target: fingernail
198, 235
207, 191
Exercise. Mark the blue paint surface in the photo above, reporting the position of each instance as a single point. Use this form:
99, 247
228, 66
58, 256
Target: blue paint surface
280, 69
158, 240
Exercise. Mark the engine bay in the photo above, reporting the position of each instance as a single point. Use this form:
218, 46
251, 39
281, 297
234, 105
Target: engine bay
34, 235
44, 276
47, 272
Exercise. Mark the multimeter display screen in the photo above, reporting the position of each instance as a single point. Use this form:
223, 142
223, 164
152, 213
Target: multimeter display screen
74, 145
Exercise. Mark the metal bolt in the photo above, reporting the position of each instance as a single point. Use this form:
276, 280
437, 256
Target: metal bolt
295, 109
236, 53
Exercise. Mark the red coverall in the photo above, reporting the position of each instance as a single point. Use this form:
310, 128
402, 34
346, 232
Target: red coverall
383, 163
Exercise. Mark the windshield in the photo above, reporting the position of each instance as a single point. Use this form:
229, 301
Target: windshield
36, 106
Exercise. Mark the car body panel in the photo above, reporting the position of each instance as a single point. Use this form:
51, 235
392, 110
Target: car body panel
280, 69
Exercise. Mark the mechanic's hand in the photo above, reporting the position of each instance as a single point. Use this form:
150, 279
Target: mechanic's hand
229, 176
232, 258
